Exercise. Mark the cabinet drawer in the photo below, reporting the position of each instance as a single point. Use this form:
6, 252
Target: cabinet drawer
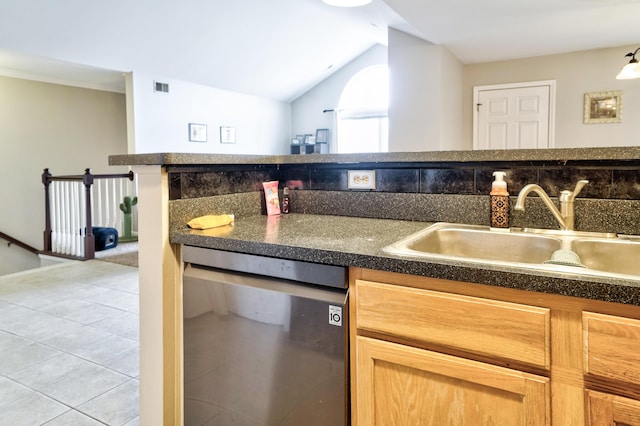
611, 346
487, 327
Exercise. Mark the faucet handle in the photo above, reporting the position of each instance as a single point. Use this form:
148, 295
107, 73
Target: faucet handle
567, 195
579, 186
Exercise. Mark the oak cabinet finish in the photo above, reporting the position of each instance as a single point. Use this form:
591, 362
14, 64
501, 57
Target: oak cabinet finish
609, 410
404, 386
428, 351
611, 356
462, 322
612, 347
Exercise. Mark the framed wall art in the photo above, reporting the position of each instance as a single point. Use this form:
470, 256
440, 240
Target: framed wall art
227, 134
322, 135
197, 132
309, 139
603, 107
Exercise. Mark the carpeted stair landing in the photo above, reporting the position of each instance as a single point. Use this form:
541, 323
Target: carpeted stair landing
123, 254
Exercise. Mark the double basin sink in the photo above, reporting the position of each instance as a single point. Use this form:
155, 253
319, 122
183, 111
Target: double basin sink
567, 251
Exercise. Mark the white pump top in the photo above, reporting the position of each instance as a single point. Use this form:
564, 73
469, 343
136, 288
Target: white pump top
499, 186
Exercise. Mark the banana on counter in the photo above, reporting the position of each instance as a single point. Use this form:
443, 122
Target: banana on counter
211, 221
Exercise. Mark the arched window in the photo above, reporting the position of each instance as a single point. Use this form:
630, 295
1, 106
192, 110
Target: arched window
363, 112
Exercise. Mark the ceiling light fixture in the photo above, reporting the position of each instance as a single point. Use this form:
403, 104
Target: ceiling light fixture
347, 3
632, 69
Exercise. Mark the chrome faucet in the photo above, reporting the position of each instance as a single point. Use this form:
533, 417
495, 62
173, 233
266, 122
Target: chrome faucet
565, 216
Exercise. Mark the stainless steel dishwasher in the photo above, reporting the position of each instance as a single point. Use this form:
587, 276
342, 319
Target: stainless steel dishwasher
265, 341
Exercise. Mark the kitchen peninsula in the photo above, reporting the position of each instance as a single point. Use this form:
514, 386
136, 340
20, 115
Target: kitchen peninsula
332, 225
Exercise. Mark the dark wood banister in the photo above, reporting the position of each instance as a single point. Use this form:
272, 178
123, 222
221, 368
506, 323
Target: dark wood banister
18, 243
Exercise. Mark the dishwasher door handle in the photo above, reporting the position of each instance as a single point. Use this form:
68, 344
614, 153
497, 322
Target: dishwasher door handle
285, 269
206, 274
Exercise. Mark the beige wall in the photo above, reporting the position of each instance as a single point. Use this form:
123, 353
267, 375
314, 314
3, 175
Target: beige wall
66, 129
575, 74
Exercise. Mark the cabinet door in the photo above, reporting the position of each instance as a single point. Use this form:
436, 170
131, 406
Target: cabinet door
400, 385
612, 347
607, 410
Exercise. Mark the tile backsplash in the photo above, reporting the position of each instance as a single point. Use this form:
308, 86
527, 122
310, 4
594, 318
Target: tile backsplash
408, 191
607, 181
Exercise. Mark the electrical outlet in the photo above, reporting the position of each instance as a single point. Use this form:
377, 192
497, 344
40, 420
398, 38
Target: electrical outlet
362, 179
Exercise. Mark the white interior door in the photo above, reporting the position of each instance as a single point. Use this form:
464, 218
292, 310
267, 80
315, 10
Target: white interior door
514, 116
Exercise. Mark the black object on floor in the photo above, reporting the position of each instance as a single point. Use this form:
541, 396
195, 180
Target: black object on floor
106, 238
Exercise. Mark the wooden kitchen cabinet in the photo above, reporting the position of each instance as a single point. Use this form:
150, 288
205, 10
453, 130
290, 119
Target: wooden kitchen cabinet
402, 385
611, 347
608, 410
428, 351
461, 322
611, 357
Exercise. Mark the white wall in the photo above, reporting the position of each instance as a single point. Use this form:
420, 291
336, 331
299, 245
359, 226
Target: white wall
307, 110
425, 94
576, 74
158, 122
451, 100
66, 129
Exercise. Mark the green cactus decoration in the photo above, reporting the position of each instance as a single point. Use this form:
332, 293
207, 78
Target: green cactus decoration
127, 207
128, 204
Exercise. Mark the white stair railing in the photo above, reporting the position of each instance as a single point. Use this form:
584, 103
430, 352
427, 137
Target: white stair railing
106, 196
75, 204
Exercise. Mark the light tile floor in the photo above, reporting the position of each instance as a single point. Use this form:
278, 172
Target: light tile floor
69, 345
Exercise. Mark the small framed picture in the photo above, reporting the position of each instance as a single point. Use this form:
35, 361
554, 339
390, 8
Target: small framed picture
227, 134
603, 107
295, 141
322, 135
197, 132
309, 139
300, 138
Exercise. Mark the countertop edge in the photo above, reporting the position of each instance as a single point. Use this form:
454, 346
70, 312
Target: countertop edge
549, 282
463, 156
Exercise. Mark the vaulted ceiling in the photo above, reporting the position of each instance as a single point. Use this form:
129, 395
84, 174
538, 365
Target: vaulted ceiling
280, 48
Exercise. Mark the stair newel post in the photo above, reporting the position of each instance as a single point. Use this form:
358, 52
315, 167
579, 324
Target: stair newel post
89, 238
46, 181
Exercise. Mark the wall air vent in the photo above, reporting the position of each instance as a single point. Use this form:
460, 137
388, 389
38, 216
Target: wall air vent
160, 87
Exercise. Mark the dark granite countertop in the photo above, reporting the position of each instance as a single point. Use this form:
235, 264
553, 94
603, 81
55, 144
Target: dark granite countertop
351, 241
558, 154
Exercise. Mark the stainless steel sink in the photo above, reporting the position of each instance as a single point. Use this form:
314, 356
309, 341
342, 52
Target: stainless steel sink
617, 256
601, 254
447, 240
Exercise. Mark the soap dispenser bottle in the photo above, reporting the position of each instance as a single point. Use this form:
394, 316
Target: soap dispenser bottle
499, 201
